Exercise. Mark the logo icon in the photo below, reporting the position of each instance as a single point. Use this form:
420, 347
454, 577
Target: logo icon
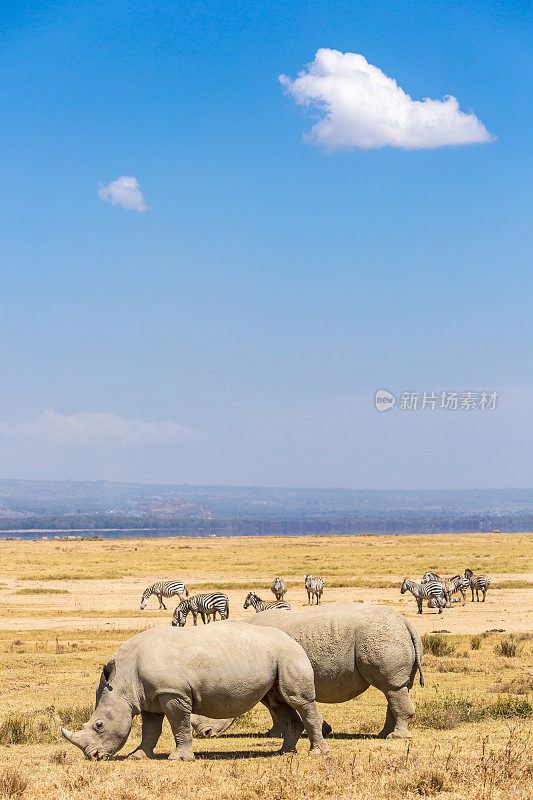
384, 400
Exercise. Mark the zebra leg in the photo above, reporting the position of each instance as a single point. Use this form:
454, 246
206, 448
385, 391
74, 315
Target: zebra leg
419, 604
178, 713
402, 708
152, 725
194, 616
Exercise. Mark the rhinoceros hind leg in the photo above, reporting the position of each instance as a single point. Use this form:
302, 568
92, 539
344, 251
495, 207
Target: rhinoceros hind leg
286, 720
313, 725
152, 725
402, 708
388, 726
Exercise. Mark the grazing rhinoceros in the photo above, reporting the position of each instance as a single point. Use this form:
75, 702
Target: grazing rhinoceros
217, 670
351, 646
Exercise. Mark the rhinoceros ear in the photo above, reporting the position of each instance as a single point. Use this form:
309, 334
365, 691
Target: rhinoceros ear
109, 670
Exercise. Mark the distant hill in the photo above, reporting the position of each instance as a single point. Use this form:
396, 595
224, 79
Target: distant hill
66, 504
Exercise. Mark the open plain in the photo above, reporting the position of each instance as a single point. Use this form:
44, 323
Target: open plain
67, 605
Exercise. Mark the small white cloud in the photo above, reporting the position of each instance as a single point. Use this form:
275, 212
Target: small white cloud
361, 107
125, 192
96, 428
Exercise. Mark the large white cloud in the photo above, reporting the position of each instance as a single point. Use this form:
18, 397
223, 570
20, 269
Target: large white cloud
361, 107
125, 192
55, 428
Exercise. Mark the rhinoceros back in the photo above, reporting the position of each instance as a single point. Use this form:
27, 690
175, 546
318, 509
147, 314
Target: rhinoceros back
350, 645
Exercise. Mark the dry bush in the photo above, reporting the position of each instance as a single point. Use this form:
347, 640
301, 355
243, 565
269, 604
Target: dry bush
507, 647
454, 665
437, 645
475, 642
12, 783
427, 782
59, 757
523, 684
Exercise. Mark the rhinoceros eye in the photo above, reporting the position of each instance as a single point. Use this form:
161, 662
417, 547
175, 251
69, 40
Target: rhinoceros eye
98, 726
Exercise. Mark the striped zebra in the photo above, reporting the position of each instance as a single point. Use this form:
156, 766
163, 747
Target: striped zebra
437, 602
206, 605
422, 590
254, 600
477, 583
459, 584
430, 576
278, 588
450, 585
164, 589
314, 588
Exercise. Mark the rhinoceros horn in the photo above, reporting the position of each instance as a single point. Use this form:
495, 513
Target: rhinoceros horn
74, 738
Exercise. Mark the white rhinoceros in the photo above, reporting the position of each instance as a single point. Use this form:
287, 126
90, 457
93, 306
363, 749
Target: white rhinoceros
351, 646
215, 671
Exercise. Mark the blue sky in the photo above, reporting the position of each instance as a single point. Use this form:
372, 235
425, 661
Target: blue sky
271, 286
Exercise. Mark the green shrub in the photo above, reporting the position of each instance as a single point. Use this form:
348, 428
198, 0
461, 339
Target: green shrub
437, 645
448, 712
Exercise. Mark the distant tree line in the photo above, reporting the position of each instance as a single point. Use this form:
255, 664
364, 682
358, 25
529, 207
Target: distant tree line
416, 523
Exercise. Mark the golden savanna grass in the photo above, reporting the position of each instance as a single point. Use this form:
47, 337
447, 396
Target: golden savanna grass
66, 606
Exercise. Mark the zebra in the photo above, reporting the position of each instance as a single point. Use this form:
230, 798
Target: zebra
450, 585
206, 605
278, 588
254, 600
437, 602
430, 576
477, 582
314, 588
164, 589
422, 590
459, 584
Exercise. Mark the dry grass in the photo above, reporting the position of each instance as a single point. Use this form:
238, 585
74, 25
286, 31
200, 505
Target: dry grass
41, 590
472, 729
350, 559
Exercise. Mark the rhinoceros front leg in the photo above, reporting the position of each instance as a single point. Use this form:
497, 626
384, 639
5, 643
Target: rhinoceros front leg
178, 712
152, 725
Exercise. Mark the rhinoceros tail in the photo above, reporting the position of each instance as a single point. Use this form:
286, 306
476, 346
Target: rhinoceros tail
417, 644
